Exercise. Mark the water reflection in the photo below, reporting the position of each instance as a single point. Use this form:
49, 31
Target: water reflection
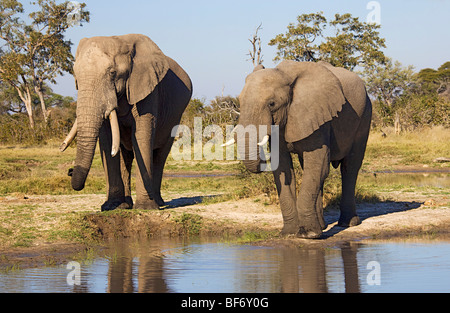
131, 263
224, 268
174, 266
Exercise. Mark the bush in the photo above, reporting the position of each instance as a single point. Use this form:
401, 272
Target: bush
15, 129
419, 110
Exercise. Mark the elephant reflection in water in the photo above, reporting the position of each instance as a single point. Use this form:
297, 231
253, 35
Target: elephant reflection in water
298, 270
304, 270
150, 270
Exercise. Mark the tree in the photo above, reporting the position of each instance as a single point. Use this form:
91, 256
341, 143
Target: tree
195, 108
35, 53
256, 52
10, 102
353, 44
224, 110
299, 41
386, 84
406, 99
432, 80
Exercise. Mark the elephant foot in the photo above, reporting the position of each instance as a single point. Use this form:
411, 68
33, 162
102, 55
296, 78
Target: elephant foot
349, 221
124, 204
311, 227
159, 200
323, 225
148, 204
309, 234
289, 229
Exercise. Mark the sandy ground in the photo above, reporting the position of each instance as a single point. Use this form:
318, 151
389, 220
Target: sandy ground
408, 216
406, 211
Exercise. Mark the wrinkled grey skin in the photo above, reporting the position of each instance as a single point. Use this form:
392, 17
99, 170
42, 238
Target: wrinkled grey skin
324, 115
149, 91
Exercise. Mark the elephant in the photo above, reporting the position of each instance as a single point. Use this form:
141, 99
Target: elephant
323, 114
130, 96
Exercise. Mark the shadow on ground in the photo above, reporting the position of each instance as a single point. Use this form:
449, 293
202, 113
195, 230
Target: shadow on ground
187, 201
366, 211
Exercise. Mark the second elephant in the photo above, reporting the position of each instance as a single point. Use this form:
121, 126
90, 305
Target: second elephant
130, 96
324, 116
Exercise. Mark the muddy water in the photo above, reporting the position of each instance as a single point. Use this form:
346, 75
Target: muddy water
209, 266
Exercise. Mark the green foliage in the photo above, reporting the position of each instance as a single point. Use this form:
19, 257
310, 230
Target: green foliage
36, 52
298, 43
416, 110
432, 80
413, 99
353, 43
195, 108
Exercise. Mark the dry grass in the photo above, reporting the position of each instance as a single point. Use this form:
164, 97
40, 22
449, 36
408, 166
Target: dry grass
409, 149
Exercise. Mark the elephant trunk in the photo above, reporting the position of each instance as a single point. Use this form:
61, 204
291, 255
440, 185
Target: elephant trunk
250, 153
89, 121
250, 142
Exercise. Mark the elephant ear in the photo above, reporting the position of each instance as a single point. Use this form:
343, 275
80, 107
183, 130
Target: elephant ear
150, 66
317, 97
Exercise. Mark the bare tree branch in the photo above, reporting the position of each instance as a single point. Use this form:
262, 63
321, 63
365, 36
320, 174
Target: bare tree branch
256, 53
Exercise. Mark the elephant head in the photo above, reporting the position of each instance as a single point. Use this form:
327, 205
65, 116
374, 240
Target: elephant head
107, 69
299, 97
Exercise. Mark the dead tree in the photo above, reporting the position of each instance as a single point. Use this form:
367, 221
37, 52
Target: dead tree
256, 52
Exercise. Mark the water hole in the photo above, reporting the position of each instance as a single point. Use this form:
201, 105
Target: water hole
208, 266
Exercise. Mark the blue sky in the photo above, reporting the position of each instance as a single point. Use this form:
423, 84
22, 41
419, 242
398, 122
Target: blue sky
210, 38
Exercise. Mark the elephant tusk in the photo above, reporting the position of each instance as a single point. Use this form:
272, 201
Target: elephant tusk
115, 133
264, 141
229, 143
70, 137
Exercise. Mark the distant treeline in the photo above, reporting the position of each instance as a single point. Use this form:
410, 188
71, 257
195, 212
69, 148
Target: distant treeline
409, 100
30, 113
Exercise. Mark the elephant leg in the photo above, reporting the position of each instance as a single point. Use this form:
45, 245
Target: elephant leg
284, 177
350, 167
319, 209
349, 173
143, 139
316, 170
114, 168
126, 162
159, 161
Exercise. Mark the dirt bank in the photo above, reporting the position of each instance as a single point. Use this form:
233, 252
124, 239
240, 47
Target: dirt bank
406, 215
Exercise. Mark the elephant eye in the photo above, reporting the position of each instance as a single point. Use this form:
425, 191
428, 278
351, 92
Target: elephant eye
112, 73
271, 104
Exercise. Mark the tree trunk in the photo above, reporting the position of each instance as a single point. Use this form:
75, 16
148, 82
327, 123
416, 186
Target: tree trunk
41, 99
30, 115
397, 125
26, 98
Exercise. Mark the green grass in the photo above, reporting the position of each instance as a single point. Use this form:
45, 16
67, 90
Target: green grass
191, 224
